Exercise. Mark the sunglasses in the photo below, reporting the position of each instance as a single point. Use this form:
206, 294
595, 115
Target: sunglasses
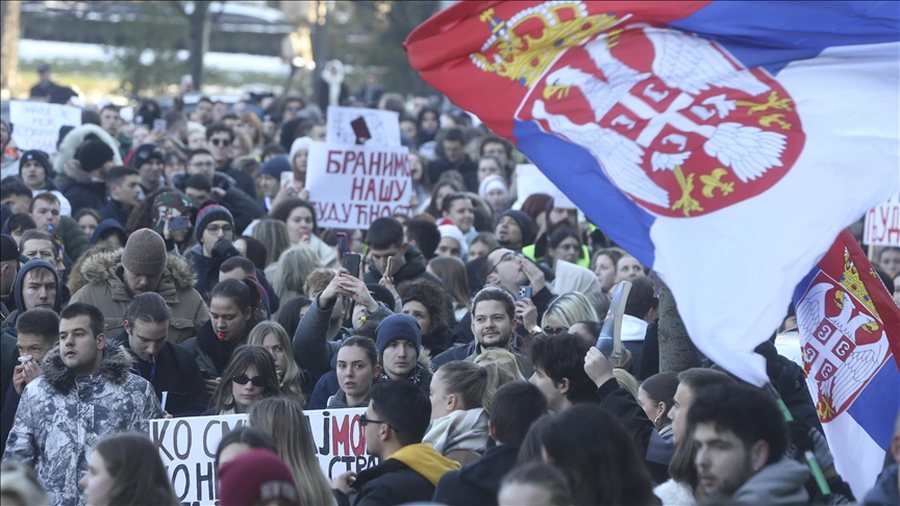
242, 379
366, 421
220, 142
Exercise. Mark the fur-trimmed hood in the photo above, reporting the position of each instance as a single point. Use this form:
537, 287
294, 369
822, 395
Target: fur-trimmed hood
101, 267
114, 367
70, 145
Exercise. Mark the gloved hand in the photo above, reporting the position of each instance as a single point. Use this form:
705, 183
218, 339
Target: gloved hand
222, 250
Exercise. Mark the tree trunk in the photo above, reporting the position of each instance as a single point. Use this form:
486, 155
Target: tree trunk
321, 50
198, 38
9, 44
676, 350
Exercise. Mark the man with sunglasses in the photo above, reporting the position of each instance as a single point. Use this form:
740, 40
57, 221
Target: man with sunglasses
219, 142
395, 423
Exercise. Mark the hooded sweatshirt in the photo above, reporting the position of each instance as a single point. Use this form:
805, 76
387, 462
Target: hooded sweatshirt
9, 325
409, 475
778, 483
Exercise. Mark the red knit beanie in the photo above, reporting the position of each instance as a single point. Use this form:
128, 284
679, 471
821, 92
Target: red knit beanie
256, 476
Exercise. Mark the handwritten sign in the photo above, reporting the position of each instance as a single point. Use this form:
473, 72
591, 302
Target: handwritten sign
530, 180
188, 446
36, 124
352, 186
369, 127
882, 224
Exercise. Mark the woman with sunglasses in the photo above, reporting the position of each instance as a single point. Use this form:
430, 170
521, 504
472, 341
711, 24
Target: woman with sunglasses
250, 376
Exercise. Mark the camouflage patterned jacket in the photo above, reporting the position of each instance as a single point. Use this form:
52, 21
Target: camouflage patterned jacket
60, 417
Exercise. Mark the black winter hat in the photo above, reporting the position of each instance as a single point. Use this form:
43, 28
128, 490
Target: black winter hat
525, 225
144, 154
40, 157
93, 154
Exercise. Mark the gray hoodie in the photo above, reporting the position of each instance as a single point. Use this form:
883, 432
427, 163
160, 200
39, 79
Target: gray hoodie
778, 483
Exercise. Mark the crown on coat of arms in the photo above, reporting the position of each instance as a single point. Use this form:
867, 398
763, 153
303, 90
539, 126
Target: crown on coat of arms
851, 281
550, 28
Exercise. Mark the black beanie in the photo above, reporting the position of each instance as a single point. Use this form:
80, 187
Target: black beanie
93, 154
525, 225
40, 157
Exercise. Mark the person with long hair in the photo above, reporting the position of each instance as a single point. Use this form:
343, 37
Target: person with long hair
424, 301
452, 272
294, 266
273, 235
357, 369
566, 310
461, 394
272, 336
249, 377
567, 257
656, 396
235, 307
440, 191
482, 245
418, 166
603, 263
125, 470
300, 218
282, 418
598, 457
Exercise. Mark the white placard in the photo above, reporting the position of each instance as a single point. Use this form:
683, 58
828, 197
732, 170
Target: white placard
36, 124
530, 180
346, 125
351, 186
882, 224
188, 446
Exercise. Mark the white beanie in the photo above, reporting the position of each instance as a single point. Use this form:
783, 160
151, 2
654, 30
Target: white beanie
492, 182
455, 233
298, 144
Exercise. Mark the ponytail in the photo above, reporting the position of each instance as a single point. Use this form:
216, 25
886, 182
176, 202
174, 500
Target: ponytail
474, 384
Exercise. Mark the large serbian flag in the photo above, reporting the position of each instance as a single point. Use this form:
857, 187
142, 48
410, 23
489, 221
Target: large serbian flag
850, 338
724, 144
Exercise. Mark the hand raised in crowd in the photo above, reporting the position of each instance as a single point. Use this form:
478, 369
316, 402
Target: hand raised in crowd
526, 313
330, 293
535, 275
217, 193
388, 282
211, 385
597, 366
24, 373
344, 482
356, 289
291, 191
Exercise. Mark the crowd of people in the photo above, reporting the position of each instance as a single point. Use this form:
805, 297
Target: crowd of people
176, 268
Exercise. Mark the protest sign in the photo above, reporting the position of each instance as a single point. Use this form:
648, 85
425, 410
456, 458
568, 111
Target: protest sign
530, 180
882, 225
369, 127
351, 186
36, 124
188, 445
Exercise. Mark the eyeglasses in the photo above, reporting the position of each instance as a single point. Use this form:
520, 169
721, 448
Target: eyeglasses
242, 379
224, 228
366, 421
220, 142
509, 255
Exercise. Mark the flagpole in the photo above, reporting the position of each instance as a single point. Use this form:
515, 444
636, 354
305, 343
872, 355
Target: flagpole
810, 457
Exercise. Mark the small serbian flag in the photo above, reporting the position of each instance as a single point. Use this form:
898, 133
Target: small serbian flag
850, 338
723, 144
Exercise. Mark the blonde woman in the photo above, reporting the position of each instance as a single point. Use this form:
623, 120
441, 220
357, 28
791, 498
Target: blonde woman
272, 336
294, 266
507, 367
282, 418
567, 310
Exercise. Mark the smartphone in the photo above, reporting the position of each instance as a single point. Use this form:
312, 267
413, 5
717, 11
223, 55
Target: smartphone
524, 292
287, 178
361, 130
343, 244
390, 267
179, 223
159, 125
351, 263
